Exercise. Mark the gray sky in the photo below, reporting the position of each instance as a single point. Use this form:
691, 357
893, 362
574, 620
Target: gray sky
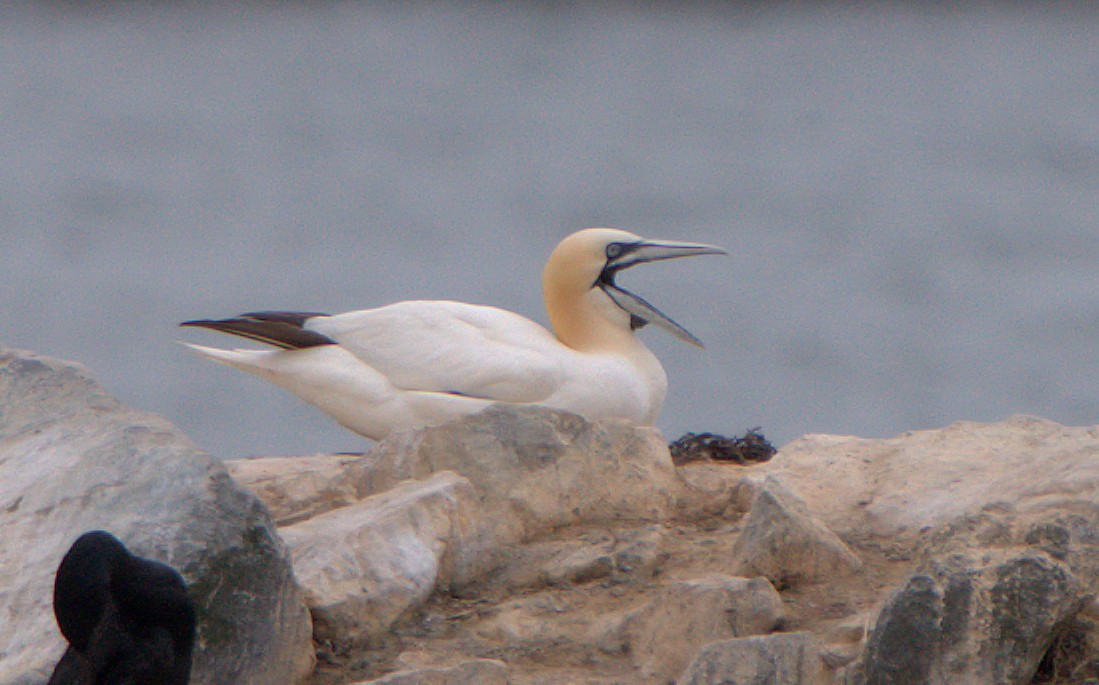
910, 195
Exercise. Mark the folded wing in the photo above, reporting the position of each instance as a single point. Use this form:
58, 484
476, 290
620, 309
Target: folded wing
452, 347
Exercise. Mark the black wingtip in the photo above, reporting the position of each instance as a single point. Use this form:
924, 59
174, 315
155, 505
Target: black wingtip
281, 329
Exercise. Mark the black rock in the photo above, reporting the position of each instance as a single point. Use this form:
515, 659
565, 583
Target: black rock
972, 620
128, 620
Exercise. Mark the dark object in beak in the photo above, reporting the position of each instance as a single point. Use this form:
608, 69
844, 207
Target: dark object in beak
623, 256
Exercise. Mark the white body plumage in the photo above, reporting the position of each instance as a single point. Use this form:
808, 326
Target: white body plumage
420, 363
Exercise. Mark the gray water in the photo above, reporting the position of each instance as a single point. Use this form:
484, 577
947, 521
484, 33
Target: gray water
910, 195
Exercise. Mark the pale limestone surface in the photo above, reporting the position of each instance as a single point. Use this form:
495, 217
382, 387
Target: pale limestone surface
73, 459
664, 635
591, 531
474, 672
365, 565
785, 543
297, 488
537, 469
924, 479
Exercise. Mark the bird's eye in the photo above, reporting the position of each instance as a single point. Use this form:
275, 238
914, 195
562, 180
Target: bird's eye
613, 250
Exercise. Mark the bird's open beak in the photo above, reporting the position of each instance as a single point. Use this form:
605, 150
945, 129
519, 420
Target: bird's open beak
631, 254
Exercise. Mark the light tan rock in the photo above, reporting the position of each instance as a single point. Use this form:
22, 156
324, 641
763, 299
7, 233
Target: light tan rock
297, 488
537, 469
1020, 488
638, 553
73, 459
843, 641
629, 554
925, 479
364, 566
535, 621
560, 610
566, 627
474, 672
668, 631
779, 659
715, 489
784, 542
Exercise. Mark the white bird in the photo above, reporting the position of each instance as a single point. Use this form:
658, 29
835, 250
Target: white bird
421, 363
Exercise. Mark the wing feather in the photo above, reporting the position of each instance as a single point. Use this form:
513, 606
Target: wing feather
453, 347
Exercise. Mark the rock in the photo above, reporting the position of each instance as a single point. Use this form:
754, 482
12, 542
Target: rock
970, 622
638, 553
72, 459
297, 488
575, 563
907, 640
563, 605
366, 565
533, 622
629, 554
925, 479
1074, 655
562, 547
843, 642
564, 628
1021, 488
536, 468
715, 490
665, 634
474, 672
785, 543
779, 659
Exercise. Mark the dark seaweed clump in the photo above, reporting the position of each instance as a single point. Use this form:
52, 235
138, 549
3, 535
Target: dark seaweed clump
751, 448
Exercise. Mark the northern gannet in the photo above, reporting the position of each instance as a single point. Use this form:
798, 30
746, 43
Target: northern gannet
421, 363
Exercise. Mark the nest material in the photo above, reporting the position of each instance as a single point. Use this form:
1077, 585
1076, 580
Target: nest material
752, 448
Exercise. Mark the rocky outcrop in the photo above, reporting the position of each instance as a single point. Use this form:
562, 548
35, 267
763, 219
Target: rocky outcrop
921, 481
990, 533
491, 508
530, 546
73, 459
938, 556
537, 469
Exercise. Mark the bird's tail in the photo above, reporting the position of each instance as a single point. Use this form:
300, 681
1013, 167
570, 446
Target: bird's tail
256, 362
